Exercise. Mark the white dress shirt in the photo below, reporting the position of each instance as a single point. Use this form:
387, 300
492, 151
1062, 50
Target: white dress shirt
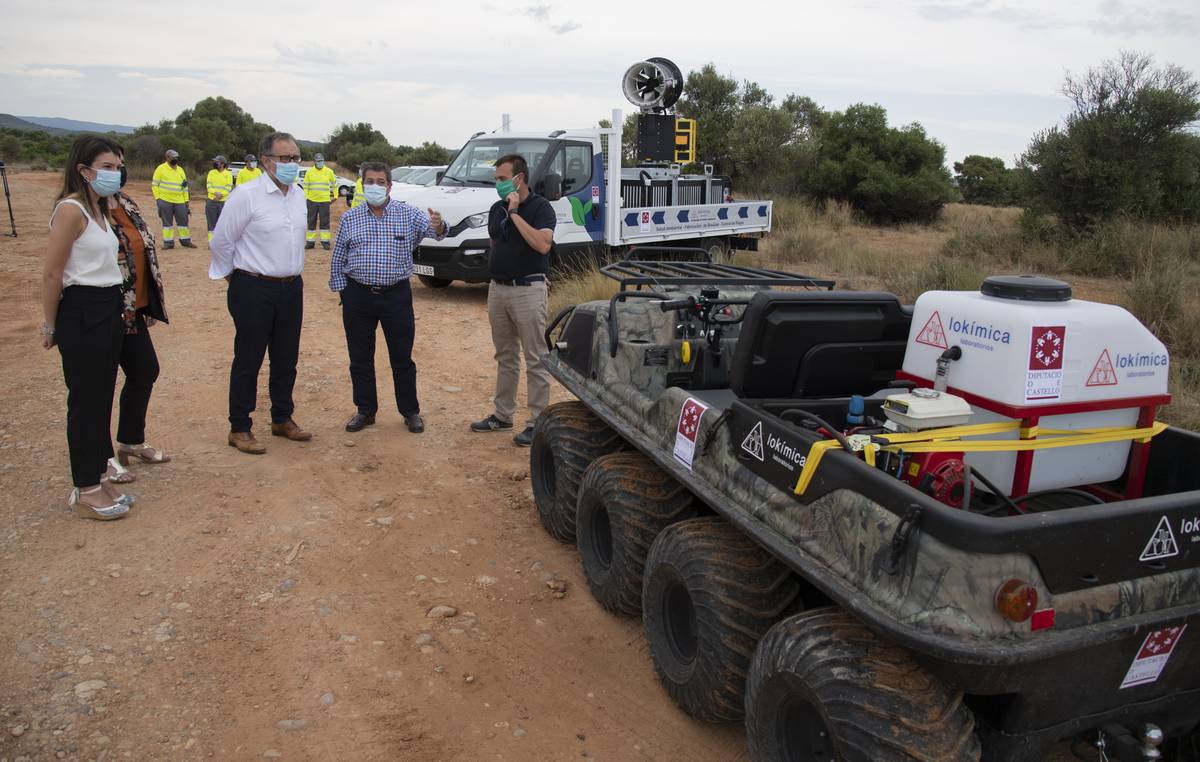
261, 230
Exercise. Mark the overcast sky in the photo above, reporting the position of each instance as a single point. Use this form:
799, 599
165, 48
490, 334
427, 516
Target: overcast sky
981, 76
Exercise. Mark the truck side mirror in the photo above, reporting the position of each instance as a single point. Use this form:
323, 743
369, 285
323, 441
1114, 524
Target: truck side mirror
441, 173
552, 187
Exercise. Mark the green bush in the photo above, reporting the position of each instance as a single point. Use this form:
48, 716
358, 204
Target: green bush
1126, 149
985, 180
892, 175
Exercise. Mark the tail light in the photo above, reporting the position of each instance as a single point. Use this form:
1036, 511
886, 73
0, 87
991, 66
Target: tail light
1016, 600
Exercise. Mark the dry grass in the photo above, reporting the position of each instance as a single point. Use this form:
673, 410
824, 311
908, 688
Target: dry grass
578, 286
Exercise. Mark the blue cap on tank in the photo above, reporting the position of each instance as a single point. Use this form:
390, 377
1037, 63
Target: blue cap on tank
854, 416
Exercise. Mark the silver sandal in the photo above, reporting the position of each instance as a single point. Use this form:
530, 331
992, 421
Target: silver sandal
117, 510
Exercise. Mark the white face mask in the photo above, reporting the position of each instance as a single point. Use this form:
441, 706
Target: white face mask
254, 165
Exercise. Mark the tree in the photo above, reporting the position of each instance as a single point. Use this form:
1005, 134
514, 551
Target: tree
758, 136
213, 126
712, 100
890, 174
985, 180
352, 155
1125, 150
359, 133
426, 155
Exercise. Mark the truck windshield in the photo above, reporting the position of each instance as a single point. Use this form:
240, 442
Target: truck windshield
476, 162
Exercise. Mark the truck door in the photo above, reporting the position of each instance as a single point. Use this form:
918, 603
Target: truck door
580, 211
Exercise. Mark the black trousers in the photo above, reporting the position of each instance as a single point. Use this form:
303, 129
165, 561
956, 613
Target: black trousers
212, 213
89, 332
392, 309
318, 211
139, 363
266, 318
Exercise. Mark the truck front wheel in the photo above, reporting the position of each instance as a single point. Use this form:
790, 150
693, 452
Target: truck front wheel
624, 502
708, 595
567, 437
823, 686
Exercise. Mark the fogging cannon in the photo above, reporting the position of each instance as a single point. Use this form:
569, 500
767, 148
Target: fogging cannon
663, 138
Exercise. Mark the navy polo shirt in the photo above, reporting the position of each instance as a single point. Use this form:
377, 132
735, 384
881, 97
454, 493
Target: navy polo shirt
511, 255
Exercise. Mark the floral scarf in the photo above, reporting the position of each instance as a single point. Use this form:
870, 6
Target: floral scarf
128, 263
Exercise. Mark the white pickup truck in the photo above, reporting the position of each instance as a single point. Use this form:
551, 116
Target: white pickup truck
600, 206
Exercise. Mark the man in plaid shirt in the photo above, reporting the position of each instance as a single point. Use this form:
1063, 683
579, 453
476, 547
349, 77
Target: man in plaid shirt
372, 261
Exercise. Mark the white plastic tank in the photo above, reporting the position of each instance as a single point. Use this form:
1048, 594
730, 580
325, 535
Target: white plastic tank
1027, 344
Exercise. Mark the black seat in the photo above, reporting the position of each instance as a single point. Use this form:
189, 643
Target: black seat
819, 344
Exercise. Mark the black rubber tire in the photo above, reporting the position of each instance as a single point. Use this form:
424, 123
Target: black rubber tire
624, 502
718, 250
709, 593
433, 282
567, 437
823, 686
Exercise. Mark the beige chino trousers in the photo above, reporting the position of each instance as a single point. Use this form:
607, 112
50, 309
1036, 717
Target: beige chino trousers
518, 318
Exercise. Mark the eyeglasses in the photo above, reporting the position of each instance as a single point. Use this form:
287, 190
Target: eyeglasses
283, 159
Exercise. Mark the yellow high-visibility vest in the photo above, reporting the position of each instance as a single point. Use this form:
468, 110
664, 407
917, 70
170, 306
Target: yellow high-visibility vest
358, 194
170, 184
245, 175
220, 184
320, 184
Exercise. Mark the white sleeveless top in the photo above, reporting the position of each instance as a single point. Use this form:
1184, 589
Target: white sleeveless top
93, 257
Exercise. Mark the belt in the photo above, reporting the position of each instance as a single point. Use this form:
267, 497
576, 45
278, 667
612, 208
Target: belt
378, 289
269, 278
526, 280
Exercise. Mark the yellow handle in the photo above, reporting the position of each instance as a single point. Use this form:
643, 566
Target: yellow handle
685, 352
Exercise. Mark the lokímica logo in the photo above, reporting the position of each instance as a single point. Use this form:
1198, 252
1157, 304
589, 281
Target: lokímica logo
580, 210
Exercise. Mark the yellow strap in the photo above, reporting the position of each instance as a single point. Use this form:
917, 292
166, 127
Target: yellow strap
947, 440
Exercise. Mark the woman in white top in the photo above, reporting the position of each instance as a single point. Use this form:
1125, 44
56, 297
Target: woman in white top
82, 303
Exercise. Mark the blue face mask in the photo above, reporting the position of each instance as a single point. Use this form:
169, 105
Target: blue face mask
375, 195
107, 182
320, 165
287, 173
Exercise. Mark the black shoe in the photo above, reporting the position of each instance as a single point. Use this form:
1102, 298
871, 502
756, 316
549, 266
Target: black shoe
491, 423
310, 245
525, 438
325, 245
187, 244
358, 422
168, 244
415, 423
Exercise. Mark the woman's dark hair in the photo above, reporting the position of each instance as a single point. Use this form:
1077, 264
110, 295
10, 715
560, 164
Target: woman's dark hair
84, 151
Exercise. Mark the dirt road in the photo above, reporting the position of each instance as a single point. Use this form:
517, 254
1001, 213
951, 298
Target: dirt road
275, 607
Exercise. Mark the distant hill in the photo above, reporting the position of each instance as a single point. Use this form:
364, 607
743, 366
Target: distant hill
17, 123
74, 125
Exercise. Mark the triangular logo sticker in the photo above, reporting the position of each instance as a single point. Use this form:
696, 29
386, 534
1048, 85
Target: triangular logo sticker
933, 334
1103, 374
753, 443
1162, 543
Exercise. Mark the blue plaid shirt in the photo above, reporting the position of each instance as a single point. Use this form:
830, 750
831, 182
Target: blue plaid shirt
377, 251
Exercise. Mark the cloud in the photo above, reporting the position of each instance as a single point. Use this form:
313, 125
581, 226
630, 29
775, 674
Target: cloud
132, 75
1108, 17
541, 12
47, 72
179, 82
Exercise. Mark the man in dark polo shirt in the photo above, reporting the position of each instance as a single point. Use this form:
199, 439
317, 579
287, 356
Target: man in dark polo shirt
521, 226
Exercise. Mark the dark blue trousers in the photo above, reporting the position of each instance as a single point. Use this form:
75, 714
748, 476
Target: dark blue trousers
363, 308
266, 317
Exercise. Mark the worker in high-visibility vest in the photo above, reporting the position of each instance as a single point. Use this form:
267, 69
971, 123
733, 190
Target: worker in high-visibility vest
248, 172
358, 191
320, 189
170, 189
219, 184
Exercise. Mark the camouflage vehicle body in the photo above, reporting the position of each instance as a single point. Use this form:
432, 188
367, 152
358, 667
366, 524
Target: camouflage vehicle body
933, 595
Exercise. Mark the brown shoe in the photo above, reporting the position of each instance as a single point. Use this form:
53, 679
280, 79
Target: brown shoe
290, 430
245, 441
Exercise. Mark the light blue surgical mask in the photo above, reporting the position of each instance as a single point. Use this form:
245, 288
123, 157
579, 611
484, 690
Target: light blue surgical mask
320, 165
107, 182
287, 173
376, 195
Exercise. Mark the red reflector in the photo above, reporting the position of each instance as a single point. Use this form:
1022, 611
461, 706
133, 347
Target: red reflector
1042, 620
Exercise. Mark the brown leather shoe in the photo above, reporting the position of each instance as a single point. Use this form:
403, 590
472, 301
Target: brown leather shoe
245, 441
290, 430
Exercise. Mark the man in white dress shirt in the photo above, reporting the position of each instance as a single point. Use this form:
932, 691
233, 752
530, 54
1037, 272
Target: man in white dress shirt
258, 246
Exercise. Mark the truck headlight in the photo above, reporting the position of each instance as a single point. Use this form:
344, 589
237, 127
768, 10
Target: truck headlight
477, 220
